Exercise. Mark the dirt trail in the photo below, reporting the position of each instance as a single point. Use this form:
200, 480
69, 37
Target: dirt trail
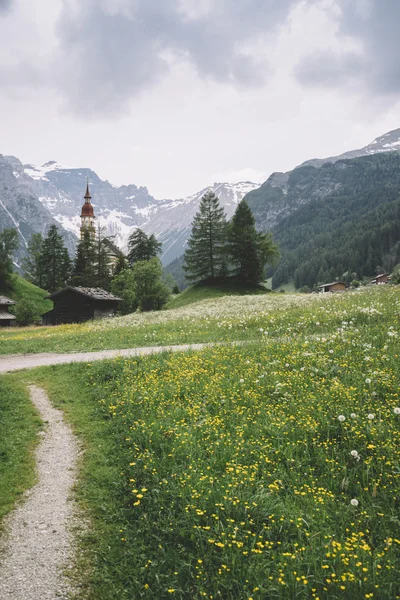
15, 362
37, 544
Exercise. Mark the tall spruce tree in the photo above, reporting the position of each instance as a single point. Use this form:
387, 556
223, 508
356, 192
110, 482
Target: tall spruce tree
31, 263
83, 271
248, 250
54, 263
205, 253
142, 247
8, 244
102, 265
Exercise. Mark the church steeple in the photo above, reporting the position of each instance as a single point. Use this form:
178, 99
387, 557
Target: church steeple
87, 196
87, 214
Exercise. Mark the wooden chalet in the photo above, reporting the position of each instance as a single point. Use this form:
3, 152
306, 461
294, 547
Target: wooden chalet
335, 286
6, 318
381, 279
78, 304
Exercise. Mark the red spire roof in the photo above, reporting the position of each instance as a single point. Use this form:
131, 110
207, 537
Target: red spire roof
87, 195
87, 208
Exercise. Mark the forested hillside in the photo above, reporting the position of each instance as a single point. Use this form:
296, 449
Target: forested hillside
342, 218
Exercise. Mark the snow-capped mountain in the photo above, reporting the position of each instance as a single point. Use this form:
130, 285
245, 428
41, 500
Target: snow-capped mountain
59, 189
389, 142
171, 223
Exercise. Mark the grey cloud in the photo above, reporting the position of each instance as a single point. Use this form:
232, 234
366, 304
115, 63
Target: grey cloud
375, 25
326, 69
5, 5
116, 55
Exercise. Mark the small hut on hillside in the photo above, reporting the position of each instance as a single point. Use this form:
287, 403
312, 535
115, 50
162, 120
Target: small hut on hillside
335, 286
381, 279
6, 318
78, 304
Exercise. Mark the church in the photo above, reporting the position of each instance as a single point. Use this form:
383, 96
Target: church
88, 223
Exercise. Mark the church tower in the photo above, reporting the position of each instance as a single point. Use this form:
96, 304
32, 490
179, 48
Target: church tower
87, 214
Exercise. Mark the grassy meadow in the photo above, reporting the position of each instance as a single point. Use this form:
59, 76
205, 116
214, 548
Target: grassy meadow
229, 318
267, 471
19, 426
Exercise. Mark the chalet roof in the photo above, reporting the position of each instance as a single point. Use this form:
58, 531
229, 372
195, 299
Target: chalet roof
382, 275
6, 301
332, 283
94, 293
6, 316
112, 247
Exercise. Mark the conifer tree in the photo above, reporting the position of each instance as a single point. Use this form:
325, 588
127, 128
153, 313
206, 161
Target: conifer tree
248, 250
120, 265
83, 271
8, 244
205, 253
142, 247
54, 263
102, 262
31, 263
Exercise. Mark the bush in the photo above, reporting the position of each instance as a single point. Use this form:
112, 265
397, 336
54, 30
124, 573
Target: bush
150, 291
123, 285
27, 312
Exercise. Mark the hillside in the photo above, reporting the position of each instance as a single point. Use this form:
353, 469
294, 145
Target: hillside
341, 217
25, 288
205, 291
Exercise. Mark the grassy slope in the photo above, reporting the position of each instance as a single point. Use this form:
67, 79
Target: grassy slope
191, 459
25, 288
19, 425
201, 291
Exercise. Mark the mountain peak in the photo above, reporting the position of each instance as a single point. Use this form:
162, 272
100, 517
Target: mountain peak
388, 142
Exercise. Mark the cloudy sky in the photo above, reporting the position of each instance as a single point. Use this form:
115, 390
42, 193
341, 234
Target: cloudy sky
177, 94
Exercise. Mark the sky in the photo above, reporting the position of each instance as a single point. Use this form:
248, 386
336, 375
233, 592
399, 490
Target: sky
177, 94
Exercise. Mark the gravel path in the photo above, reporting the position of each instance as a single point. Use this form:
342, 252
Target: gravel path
38, 540
15, 362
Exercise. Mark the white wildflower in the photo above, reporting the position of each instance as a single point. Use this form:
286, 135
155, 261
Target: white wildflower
354, 502
341, 418
371, 416
368, 380
353, 415
396, 410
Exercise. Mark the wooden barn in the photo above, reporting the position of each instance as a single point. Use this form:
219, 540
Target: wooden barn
335, 286
381, 279
78, 304
6, 318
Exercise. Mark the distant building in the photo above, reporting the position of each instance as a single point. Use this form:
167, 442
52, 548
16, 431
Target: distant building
381, 279
6, 318
335, 286
87, 223
87, 214
78, 304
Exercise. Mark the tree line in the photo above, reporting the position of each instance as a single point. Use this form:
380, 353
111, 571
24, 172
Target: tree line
218, 249
137, 277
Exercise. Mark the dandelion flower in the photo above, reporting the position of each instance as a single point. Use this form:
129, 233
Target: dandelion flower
371, 416
354, 453
353, 415
354, 502
396, 410
368, 380
341, 418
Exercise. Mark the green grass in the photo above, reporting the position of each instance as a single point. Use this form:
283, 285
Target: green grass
205, 291
287, 287
229, 318
25, 288
19, 425
227, 473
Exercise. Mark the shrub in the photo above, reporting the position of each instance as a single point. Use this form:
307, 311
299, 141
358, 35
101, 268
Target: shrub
27, 312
